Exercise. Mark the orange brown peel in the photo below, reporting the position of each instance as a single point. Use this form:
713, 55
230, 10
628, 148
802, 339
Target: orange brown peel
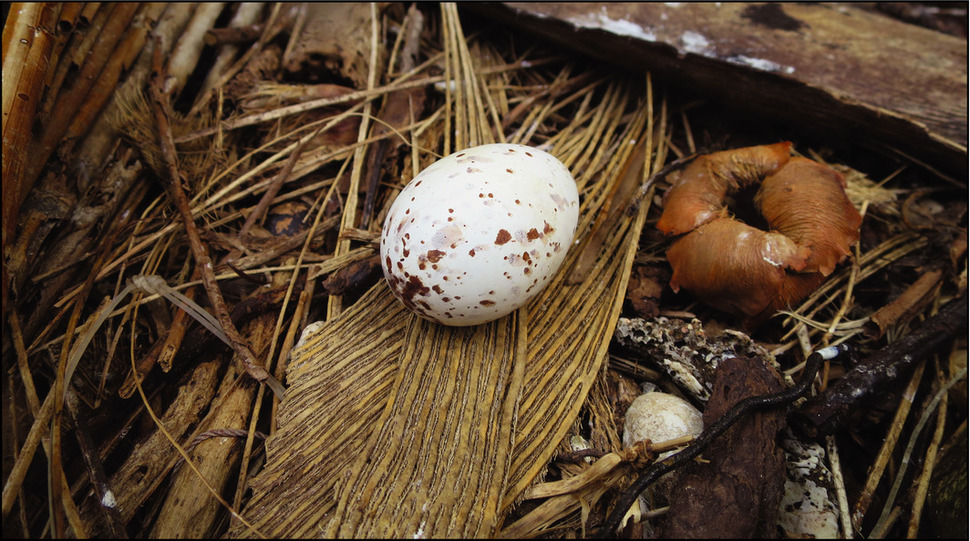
743, 270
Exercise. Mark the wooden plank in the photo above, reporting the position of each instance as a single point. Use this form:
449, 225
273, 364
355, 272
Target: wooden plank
850, 75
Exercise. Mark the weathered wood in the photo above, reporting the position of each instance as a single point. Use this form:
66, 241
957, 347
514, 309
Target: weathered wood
190, 510
830, 70
149, 463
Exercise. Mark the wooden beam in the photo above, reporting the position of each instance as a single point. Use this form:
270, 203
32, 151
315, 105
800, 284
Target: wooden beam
850, 75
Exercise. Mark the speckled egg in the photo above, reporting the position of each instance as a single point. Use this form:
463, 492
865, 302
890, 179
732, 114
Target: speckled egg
479, 233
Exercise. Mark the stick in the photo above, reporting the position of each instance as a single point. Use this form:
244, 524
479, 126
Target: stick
824, 413
89, 452
174, 188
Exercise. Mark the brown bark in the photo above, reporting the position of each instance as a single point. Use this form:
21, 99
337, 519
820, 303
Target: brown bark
735, 492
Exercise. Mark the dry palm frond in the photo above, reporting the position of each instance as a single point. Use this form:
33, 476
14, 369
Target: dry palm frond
427, 429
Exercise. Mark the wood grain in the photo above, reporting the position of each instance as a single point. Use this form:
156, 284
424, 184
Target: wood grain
849, 75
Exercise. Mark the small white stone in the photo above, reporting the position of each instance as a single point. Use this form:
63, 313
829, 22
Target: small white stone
660, 417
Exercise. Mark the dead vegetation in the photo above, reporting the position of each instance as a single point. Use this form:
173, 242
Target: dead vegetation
199, 192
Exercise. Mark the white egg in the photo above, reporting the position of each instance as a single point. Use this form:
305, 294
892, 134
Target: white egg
479, 233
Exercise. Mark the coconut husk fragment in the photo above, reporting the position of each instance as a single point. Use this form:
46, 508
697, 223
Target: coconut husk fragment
734, 492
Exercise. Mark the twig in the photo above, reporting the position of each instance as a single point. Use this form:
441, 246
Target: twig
928, 464
233, 34
260, 209
823, 414
836, 465
657, 469
393, 111
174, 188
89, 452
645, 187
880, 530
69, 102
577, 457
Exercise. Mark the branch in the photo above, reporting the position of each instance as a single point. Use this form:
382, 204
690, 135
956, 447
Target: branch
199, 250
824, 413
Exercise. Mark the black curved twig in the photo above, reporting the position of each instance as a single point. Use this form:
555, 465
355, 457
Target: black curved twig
679, 163
657, 469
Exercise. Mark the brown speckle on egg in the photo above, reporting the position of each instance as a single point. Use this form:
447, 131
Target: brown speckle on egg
414, 286
502, 237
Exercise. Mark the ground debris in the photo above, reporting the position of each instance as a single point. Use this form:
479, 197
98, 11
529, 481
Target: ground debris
736, 490
685, 351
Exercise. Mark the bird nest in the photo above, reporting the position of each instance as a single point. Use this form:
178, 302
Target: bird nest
199, 341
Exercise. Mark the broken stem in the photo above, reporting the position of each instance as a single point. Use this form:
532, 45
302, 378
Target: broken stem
174, 188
